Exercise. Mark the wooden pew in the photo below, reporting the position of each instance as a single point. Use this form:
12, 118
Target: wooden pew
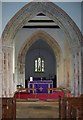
77, 113
77, 110
71, 107
8, 108
73, 103
62, 108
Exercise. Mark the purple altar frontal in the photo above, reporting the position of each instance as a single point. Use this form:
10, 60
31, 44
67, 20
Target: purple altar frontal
40, 86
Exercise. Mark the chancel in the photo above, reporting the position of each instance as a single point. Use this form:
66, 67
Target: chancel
41, 60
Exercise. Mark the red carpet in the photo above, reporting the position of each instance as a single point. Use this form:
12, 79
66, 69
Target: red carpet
25, 95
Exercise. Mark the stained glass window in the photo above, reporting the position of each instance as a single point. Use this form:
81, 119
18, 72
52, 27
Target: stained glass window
39, 65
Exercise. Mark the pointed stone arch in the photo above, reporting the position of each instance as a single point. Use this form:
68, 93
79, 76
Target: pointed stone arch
28, 43
40, 34
52, 11
30, 10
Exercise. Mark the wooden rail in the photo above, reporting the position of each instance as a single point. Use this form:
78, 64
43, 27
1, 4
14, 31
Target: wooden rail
66, 91
26, 89
36, 88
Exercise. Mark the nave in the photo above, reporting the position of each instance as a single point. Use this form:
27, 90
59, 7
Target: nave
41, 41
38, 109
67, 107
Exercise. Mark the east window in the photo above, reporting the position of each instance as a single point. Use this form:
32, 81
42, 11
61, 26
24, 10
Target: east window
39, 65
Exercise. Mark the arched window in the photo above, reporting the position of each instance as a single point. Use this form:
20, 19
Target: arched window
39, 65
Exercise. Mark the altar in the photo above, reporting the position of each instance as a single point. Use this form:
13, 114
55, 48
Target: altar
40, 86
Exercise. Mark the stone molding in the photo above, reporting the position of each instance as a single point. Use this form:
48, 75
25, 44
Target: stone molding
52, 11
36, 36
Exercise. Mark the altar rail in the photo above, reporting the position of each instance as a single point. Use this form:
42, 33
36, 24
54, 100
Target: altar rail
71, 108
27, 89
66, 91
35, 89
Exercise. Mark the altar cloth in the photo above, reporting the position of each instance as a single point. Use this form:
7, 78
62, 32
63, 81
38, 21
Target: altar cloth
40, 86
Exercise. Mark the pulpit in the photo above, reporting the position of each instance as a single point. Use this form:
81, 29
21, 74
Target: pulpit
40, 86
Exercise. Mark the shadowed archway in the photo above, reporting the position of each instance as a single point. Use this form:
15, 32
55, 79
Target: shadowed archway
28, 43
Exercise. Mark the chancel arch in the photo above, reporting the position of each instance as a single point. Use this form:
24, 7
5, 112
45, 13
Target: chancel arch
73, 37
52, 44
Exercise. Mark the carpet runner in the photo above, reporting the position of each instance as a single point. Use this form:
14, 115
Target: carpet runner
42, 96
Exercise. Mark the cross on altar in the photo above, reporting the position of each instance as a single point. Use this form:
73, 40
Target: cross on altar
40, 88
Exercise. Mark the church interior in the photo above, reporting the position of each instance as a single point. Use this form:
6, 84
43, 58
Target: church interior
41, 61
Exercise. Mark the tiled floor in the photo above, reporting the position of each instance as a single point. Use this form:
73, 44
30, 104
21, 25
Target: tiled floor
38, 109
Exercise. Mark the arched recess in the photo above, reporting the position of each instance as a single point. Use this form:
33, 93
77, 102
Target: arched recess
28, 43
71, 31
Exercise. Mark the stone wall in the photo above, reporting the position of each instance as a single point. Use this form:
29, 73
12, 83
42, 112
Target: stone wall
70, 30
0, 78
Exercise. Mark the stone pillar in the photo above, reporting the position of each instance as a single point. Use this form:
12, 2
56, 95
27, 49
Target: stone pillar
8, 71
60, 73
67, 72
18, 73
82, 70
4, 84
67, 63
22, 74
72, 74
21, 71
57, 74
64, 72
75, 76
77, 73
10, 67
0, 67
0, 79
